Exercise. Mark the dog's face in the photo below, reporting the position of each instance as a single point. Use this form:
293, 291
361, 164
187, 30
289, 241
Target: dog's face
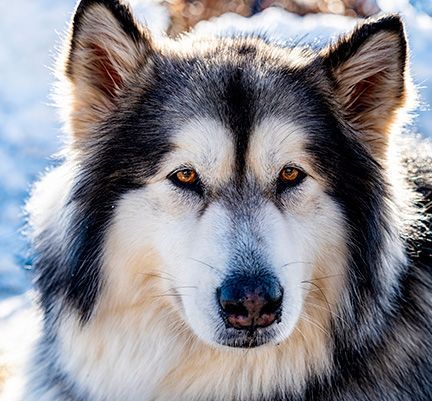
227, 175
242, 232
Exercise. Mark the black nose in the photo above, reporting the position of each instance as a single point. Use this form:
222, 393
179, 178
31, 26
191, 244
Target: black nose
247, 303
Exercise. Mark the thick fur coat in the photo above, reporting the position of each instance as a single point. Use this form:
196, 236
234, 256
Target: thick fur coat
202, 168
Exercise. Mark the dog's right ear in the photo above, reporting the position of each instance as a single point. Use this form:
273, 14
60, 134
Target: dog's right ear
106, 47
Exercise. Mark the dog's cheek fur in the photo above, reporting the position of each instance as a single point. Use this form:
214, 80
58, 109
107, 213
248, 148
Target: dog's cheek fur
135, 321
320, 232
309, 255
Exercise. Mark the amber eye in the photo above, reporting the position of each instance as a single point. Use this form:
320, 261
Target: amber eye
186, 178
290, 176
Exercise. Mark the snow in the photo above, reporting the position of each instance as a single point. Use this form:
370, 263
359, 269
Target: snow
29, 128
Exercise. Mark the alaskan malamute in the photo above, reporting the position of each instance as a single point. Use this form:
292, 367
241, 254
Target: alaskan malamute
233, 221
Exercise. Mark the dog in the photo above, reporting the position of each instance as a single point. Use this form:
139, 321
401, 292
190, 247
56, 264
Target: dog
233, 220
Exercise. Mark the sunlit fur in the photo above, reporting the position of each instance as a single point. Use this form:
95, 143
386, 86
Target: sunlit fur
128, 264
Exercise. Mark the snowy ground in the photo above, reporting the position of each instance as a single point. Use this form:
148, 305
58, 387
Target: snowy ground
30, 133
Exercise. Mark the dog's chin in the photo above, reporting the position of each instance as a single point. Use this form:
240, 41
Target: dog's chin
234, 338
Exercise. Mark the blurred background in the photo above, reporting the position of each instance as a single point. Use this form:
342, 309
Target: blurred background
29, 129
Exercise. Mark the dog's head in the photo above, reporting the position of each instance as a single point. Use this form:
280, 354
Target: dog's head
233, 187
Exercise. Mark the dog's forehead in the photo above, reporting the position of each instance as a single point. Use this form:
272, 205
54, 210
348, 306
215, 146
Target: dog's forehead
274, 143
212, 147
206, 145
238, 83
239, 115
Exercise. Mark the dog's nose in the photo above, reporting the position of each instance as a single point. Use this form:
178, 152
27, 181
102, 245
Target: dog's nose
250, 303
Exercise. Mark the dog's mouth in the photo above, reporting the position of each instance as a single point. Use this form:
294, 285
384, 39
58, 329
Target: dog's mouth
246, 338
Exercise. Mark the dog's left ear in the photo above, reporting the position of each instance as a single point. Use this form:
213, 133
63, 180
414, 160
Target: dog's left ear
369, 71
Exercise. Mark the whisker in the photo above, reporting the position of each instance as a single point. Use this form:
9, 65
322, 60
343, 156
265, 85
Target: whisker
301, 333
327, 310
155, 276
173, 290
158, 274
185, 286
297, 262
308, 289
177, 295
208, 265
288, 135
163, 272
312, 322
320, 290
325, 277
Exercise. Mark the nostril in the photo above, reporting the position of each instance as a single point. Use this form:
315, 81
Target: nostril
234, 308
273, 304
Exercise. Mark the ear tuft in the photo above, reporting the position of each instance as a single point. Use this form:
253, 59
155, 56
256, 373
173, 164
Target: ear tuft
348, 45
369, 70
118, 9
106, 47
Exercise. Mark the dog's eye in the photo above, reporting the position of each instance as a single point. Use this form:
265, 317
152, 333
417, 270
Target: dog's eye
290, 177
186, 178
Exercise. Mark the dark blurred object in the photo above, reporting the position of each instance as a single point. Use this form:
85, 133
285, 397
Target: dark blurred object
186, 13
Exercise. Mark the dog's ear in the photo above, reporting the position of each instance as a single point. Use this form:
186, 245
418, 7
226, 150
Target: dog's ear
106, 46
369, 71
